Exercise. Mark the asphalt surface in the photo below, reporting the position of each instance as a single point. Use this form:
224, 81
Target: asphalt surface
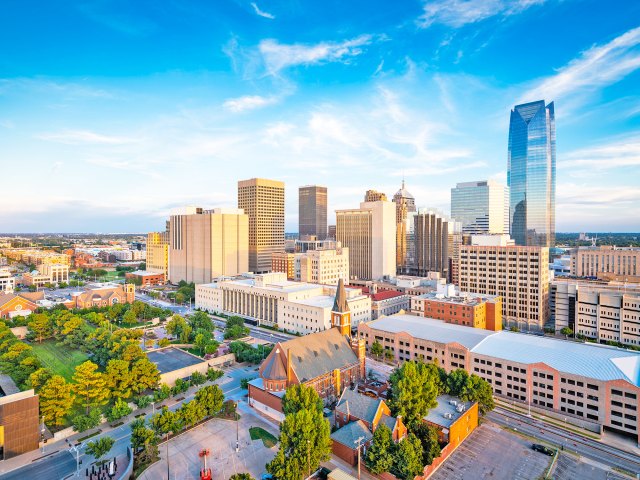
558, 437
54, 467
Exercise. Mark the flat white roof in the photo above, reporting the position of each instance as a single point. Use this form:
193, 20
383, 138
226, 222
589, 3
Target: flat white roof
286, 286
589, 360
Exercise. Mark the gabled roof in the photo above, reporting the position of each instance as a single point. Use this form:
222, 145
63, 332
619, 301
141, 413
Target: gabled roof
358, 406
341, 305
350, 433
388, 421
31, 297
318, 353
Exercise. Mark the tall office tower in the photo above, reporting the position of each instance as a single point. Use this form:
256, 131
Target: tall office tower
263, 201
370, 235
158, 253
481, 207
431, 237
206, 244
374, 196
312, 212
331, 232
531, 174
405, 203
454, 244
520, 275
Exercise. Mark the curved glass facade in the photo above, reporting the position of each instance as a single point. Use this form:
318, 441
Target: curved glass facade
531, 174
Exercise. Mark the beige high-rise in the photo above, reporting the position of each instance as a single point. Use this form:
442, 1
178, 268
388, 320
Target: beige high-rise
263, 202
370, 235
325, 266
519, 274
158, 253
206, 244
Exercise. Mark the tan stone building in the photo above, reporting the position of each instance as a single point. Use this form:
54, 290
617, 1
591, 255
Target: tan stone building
405, 203
607, 262
518, 274
374, 196
284, 262
206, 244
158, 253
369, 233
263, 202
325, 266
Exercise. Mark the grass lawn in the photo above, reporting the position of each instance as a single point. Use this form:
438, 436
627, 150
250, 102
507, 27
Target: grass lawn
60, 360
258, 433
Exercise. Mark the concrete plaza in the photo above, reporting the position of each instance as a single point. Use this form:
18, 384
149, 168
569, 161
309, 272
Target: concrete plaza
219, 436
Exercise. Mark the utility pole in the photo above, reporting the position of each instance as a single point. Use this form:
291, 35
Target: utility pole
358, 443
237, 429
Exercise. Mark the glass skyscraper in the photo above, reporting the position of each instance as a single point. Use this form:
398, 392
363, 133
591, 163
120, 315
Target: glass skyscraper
531, 174
482, 207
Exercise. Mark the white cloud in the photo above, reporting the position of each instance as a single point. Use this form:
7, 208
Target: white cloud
599, 66
262, 13
614, 154
278, 56
79, 137
249, 102
457, 13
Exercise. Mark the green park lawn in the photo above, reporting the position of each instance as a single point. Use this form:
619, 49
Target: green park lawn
60, 360
258, 433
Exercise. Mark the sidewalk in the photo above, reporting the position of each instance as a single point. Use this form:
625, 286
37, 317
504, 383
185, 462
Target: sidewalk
52, 447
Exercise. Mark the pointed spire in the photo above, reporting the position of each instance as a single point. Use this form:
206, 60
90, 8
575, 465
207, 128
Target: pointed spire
340, 304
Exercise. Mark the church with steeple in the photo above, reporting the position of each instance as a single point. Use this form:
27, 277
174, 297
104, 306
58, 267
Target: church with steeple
329, 361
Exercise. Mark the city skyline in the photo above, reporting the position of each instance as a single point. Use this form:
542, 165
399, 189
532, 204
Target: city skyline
127, 112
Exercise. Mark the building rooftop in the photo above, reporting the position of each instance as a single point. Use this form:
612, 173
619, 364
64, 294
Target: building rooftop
448, 411
600, 362
471, 299
358, 405
171, 358
350, 433
145, 273
430, 329
280, 286
385, 295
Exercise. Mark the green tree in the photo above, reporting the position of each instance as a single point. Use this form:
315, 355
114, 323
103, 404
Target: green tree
513, 328
566, 331
458, 383
56, 400
388, 355
304, 443
129, 318
41, 326
85, 422
164, 342
234, 332
162, 393
408, 458
379, 457
38, 378
211, 398
176, 326
90, 386
241, 476
214, 374
198, 378
192, 412
144, 441
298, 397
376, 349
119, 378
99, 448
119, 410
414, 388
145, 375
428, 436
201, 320
481, 392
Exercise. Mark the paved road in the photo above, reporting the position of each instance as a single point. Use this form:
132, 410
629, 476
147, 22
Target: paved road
584, 446
54, 467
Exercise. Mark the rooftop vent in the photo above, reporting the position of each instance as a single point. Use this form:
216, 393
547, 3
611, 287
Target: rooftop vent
315, 353
460, 408
336, 346
453, 402
299, 359
448, 415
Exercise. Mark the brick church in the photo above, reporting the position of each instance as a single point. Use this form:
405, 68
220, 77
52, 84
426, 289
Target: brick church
328, 361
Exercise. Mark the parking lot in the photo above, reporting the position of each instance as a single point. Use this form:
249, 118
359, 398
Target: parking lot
493, 453
569, 467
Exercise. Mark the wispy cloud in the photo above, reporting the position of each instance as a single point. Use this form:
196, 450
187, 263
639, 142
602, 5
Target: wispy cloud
249, 102
116, 19
83, 137
278, 56
615, 154
457, 13
599, 66
262, 13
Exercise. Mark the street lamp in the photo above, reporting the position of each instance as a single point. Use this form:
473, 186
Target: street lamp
76, 449
237, 428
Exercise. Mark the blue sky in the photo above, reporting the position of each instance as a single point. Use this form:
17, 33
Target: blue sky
114, 112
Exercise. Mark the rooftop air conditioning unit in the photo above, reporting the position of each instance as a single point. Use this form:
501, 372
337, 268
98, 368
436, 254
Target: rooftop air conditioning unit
453, 402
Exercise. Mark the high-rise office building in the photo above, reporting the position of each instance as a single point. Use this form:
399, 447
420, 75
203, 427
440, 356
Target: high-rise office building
374, 196
405, 203
312, 212
531, 174
481, 207
520, 275
263, 201
369, 233
158, 253
206, 244
431, 236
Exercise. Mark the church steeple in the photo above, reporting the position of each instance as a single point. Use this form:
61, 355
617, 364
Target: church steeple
341, 314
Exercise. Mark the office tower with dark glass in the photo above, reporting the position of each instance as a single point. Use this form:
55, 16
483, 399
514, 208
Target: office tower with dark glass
312, 212
531, 174
481, 207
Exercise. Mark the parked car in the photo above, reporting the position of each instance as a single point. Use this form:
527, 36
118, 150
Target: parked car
542, 449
